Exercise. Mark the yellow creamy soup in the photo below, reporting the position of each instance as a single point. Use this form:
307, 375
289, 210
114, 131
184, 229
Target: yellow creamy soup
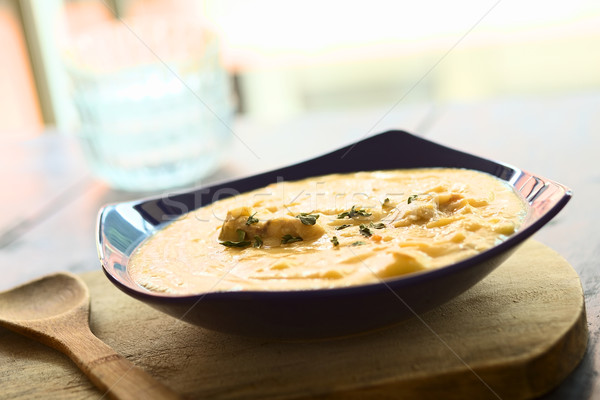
330, 231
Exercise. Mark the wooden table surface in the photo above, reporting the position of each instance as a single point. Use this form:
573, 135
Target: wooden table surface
50, 200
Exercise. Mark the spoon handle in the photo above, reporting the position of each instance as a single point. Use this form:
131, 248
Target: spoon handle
113, 373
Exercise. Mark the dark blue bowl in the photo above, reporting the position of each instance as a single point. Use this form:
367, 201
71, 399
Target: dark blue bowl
327, 312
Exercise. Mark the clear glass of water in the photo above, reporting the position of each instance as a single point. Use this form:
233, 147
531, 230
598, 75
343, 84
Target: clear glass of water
154, 102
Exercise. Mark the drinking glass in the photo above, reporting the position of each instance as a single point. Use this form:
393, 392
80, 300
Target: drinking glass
153, 100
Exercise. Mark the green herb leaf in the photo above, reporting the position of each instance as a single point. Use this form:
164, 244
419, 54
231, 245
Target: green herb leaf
343, 215
411, 198
290, 239
366, 232
240, 242
229, 243
360, 213
308, 219
344, 226
353, 213
241, 234
358, 243
334, 240
379, 225
257, 242
251, 220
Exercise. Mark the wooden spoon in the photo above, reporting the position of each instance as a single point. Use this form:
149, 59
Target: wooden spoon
55, 310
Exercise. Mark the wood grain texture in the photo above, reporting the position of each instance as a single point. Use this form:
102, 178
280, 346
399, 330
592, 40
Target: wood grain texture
516, 334
54, 310
38, 176
556, 137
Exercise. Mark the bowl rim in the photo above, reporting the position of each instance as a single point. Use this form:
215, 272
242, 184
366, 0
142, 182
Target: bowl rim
395, 283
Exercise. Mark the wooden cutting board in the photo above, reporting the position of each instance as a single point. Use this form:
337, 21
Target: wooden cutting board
516, 334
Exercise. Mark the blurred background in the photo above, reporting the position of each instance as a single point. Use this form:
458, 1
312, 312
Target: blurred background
289, 58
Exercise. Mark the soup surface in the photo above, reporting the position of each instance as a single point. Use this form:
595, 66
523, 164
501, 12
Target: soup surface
330, 231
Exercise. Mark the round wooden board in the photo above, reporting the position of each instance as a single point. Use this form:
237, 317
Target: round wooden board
516, 334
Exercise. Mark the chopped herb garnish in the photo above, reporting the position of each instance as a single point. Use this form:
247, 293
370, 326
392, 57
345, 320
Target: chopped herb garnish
353, 213
229, 243
241, 234
344, 226
290, 239
251, 220
344, 215
366, 232
308, 219
358, 243
379, 225
411, 198
334, 240
257, 242
361, 213
241, 242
